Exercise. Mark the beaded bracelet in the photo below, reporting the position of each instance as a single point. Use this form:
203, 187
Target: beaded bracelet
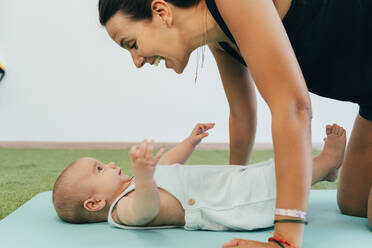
291, 213
278, 238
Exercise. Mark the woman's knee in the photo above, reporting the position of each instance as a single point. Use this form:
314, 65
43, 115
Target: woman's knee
351, 205
370, 207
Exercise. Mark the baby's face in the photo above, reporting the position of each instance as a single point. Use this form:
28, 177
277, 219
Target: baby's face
104, 181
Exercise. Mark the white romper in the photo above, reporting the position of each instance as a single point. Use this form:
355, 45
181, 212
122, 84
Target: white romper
218, 198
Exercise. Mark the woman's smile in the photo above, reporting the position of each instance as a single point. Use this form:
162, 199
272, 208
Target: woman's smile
148, 41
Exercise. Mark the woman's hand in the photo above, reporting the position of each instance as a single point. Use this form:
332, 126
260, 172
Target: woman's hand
199, 132
143, 162
242, 243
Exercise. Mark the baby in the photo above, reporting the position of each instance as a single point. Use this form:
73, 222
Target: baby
165, 193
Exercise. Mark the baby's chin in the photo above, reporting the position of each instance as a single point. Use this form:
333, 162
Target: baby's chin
126, 178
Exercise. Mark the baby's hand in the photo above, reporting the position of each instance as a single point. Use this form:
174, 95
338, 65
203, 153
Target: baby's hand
143, 162
199, 132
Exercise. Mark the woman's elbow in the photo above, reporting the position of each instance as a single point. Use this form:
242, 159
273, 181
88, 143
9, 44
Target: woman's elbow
303, 109
296, 110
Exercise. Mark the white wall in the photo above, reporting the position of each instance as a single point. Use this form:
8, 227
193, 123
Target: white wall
67, 81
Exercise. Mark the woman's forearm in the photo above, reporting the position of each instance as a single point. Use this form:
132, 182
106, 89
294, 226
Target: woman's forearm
293, 163
242, 132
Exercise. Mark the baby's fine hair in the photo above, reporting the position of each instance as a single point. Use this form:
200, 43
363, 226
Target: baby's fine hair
68, 199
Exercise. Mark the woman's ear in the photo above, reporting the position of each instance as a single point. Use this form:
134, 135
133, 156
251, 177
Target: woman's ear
161, 9
94, 204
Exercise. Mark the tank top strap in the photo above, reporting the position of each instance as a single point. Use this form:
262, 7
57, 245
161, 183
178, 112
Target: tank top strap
113, 223
109, 217
212, 7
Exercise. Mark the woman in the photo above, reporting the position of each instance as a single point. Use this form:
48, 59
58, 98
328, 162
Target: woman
261, 39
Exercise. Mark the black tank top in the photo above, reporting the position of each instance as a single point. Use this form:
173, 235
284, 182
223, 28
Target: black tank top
211, 4
332, 40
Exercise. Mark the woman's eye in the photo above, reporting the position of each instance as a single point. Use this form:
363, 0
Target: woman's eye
134, 46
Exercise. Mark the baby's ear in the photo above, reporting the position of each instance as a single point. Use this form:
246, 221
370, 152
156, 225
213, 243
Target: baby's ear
94, 204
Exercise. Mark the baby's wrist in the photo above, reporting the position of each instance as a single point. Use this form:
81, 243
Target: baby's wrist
144, 181
190, 142
142, 176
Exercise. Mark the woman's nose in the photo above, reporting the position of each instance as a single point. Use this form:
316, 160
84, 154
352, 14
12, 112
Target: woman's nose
138, 60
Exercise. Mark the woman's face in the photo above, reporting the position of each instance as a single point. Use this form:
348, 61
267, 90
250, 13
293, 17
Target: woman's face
146, 40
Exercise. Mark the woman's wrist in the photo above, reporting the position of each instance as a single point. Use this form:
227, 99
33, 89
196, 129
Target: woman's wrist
292, 232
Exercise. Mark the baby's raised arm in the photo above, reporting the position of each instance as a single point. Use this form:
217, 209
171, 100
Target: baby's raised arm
144, 205
182, 151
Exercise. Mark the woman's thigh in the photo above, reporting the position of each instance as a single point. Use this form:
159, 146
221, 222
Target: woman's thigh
356, 173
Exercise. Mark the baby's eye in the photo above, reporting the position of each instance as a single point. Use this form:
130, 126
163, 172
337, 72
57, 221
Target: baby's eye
99, 168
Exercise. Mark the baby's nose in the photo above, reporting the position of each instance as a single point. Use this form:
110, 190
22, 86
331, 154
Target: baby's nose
112, 165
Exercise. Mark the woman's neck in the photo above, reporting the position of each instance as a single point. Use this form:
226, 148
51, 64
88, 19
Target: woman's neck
193, 23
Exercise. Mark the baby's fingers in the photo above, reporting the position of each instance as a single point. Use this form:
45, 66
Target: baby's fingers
202, 127
134, 152
207, 126
156, 158
142, 148
203, 135
149, 149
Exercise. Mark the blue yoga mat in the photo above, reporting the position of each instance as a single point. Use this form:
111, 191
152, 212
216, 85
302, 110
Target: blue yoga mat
35, 224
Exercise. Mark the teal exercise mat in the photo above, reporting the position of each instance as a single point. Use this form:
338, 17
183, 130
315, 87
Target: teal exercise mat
35, 224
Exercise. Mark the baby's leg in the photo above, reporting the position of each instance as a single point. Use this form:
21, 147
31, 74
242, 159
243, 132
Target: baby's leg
327, 163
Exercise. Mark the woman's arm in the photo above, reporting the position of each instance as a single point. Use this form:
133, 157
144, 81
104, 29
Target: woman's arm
267, 51
182, 151
241, 97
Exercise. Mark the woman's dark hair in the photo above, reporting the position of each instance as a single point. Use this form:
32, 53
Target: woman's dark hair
136, 9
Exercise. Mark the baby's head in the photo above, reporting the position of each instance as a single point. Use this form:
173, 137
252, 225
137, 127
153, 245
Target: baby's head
85, 190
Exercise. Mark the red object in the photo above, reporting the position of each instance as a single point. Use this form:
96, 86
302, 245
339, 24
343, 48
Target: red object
278, 238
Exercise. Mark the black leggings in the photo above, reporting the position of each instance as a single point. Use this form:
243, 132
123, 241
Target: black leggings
365, 111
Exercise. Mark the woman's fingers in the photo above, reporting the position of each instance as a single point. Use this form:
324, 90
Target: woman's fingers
230, 244
239, 242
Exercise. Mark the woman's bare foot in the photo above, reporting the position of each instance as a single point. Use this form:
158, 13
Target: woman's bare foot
334, 149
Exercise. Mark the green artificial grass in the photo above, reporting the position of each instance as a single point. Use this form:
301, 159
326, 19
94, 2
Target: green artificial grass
26, 172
